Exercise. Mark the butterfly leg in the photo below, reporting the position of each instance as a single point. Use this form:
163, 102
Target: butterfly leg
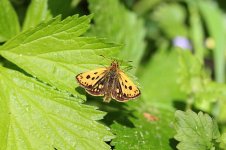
107, 99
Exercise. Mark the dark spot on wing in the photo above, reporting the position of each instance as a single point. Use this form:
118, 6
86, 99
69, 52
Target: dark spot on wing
88, 76
97, 77
125, 86
95, 72
125, 80
130, 87
122, 84
89, 86
93, 78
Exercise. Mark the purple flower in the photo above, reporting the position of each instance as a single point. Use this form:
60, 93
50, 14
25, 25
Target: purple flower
182, 42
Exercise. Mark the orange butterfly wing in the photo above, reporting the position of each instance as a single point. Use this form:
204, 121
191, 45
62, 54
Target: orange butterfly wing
109, 82
92, 81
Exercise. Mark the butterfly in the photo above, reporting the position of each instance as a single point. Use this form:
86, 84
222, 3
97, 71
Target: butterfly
110, 82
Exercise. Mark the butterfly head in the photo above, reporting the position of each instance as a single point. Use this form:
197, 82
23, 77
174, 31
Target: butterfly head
114, 64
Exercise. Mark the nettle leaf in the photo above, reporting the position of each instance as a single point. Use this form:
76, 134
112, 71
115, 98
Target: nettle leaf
196, 131
55, 51
152, 129
9, 24
119, 25
153, 113
35, 116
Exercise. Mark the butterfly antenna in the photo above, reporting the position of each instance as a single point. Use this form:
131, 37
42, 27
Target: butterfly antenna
129, 68
105, 57
102, 56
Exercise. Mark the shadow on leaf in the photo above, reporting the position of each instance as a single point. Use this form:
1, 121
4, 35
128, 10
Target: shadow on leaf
179, 104
116, 111
173, 143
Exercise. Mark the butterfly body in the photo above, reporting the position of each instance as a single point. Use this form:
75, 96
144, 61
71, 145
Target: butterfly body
109, 82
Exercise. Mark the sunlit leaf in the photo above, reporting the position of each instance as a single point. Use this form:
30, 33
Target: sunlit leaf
35, 116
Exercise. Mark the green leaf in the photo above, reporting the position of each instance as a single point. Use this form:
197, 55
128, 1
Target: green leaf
153, 129
35, 116
37, 12
9, 24
196, 131
153, 113
119, 25
55, 51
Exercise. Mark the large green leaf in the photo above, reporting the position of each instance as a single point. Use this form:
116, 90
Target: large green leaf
196, 131
152, 129
9, 24
35, 116
55, 51
114, 22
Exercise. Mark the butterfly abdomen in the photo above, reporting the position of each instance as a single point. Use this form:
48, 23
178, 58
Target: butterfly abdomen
109, 85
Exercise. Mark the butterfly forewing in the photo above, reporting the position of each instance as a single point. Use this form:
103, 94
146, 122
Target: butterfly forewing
98, 88
89, 79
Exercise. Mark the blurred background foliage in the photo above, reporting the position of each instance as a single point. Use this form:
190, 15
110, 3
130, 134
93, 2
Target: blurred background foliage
178, 53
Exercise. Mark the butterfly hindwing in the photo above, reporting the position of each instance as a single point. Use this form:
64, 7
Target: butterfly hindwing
117, 93
89, 79
128, 88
